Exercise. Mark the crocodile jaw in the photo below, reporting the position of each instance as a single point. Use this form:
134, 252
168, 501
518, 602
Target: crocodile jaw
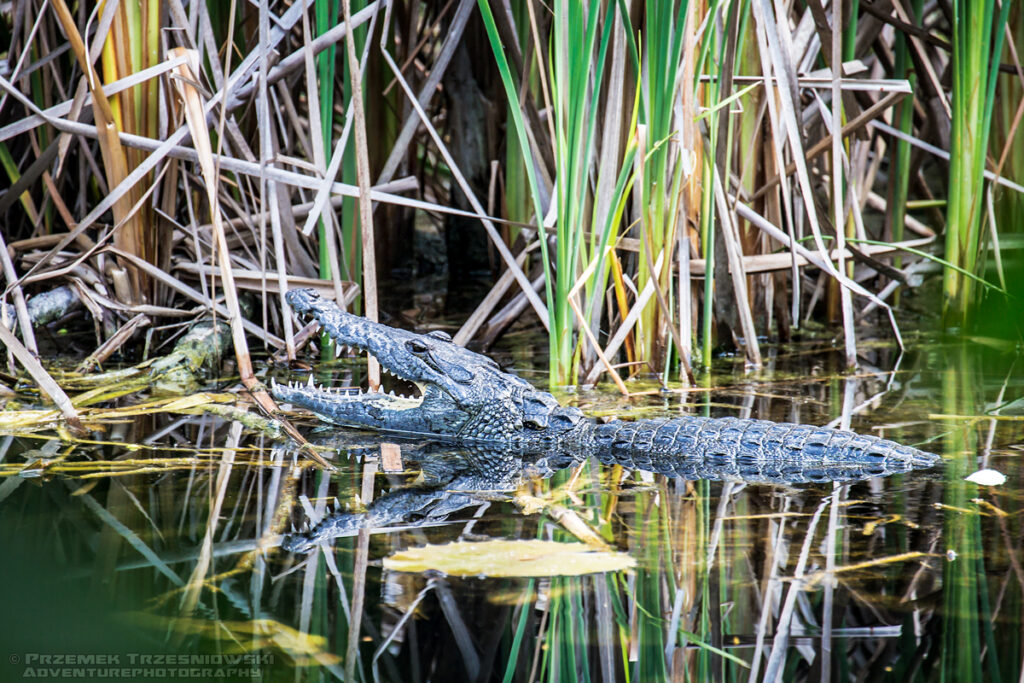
329, 401
430, 413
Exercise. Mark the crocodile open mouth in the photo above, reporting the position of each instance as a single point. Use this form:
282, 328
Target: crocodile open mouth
420, 382
394, 393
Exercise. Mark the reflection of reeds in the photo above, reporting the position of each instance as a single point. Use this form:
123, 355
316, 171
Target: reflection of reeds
966, 613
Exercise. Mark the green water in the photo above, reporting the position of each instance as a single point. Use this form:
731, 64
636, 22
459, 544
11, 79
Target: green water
113, 566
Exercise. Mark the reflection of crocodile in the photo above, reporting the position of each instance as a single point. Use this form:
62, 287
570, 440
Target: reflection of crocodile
452, 476
466, 398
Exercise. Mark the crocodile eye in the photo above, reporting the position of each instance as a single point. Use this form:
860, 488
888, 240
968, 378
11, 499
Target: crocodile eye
440, 334
561, 422
416, 346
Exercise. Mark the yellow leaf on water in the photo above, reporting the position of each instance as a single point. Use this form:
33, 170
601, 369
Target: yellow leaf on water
502, 558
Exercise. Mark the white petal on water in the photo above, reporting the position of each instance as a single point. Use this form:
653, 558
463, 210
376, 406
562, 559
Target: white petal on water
987, 478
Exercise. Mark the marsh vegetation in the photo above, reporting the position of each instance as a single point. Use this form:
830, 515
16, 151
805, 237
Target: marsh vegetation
794, 211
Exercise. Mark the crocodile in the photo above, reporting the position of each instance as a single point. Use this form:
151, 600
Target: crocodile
465, 398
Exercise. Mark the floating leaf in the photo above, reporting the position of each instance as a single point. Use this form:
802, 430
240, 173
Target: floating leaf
501, 558
987, 478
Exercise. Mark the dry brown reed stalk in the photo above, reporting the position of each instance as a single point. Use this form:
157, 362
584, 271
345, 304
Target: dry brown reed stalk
184, 83
839, 209
365, 211
115, 160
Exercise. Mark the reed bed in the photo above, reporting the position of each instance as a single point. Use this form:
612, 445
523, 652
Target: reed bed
655, 181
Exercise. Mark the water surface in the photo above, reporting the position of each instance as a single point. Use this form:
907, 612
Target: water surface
153, 550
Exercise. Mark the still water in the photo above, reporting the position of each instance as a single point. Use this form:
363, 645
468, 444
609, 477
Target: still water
153, 549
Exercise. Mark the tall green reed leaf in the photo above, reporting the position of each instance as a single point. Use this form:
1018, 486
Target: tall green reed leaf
326, 17
576, 102
531, 173
975, 71
664, 33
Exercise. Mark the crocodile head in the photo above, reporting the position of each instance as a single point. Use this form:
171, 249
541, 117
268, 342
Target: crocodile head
458, 392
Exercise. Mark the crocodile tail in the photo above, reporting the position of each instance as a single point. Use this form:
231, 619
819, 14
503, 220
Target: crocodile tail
736, 449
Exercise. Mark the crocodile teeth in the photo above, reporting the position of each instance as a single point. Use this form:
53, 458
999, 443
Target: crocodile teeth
309, 382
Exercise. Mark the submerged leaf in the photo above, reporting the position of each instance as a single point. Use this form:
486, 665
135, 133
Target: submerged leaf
253, 636
501, 558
